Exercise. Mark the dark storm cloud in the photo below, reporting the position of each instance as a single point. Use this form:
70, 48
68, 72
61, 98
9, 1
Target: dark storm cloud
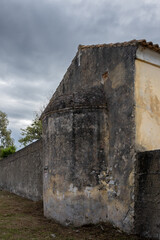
30, 34
39, 38
35, 35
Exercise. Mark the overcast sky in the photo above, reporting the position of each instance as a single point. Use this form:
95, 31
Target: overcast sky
39, 38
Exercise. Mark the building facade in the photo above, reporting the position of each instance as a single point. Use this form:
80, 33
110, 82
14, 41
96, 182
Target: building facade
101, 139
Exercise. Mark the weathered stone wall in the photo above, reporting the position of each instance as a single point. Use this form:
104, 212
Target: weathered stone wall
21, 172
101, 115
119, 88
147, 207
105, 110
73, 190
89, 151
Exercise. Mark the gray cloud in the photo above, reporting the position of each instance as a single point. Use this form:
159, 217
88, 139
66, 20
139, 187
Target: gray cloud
39, 38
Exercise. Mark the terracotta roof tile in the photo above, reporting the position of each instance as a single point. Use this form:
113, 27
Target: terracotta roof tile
142, 42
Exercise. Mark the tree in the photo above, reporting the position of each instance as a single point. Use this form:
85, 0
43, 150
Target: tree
5, 152
5, 134
32, 132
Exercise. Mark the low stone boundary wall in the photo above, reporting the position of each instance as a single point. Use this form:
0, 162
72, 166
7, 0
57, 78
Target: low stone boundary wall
21, 172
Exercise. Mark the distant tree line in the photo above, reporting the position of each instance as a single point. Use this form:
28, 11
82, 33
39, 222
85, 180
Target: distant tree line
29, 134
6, 142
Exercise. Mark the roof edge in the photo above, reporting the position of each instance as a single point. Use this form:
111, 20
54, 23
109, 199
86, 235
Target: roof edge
134, 42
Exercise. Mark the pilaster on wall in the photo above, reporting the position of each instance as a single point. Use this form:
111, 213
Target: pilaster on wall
119, 90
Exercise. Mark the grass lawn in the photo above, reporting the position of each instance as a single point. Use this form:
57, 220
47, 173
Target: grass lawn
22, 219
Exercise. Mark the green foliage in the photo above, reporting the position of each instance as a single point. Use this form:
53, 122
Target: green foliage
32, 132
5, 152
5, 134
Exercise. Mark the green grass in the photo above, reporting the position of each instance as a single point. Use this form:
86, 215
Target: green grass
22, 219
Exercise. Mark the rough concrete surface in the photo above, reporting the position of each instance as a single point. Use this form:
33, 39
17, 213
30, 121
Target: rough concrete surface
147, 208
21, 172
88, 133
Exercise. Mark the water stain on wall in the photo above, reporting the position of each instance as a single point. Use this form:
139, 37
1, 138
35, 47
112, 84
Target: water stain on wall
147, 88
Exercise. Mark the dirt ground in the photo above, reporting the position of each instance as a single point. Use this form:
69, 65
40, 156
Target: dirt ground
22, 219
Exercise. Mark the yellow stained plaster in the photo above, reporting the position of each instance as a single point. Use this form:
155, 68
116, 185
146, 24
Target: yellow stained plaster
147, 98
72, 192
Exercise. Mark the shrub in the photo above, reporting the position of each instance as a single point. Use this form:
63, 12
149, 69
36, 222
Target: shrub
5, 152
